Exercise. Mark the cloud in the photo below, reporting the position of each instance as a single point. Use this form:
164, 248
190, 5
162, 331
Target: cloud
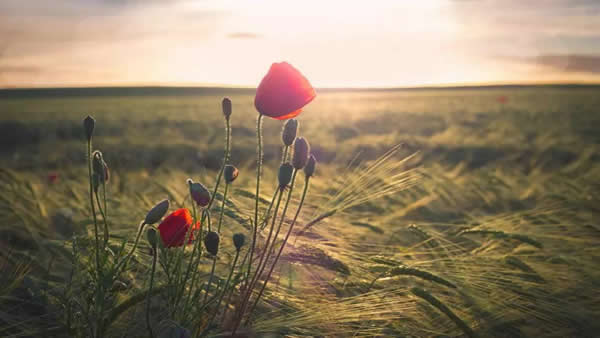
574, 63
244, 35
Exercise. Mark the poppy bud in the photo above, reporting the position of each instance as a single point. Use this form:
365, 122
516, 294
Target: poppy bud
152, 237
88, 126
231, 173
211, 242
238, 241
157, 212
226, 105
285, 174
199, 193
309, 169
290, 129
100, 167
301, 151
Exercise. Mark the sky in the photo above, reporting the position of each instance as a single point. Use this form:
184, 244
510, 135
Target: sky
375, 43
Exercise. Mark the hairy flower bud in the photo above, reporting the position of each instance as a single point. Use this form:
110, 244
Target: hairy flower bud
211, 242
100, 174
226, 105
157, 212
199, 193
285, 174
231, 173
152, 237
309, 169
301, 151
238, 241
290, 129
88, 127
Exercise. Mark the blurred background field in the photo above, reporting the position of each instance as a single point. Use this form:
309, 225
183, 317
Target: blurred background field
500, 197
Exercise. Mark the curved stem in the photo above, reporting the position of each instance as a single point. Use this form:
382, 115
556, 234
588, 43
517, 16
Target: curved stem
287, 236
259, 157
148, 298
125, 260
105, 215
89, 153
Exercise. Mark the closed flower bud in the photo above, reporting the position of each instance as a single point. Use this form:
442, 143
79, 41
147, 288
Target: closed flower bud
157, 212
309, 169
100, 167
226, 104
199, 193
301, 151
231, 173
88, 127
290, 129
238, 241
152, 237
211, 242
285, 174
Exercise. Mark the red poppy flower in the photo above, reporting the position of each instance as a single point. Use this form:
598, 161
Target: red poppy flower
283, 92
174, 228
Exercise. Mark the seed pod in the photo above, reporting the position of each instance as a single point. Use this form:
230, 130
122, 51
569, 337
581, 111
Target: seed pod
152, 237
157, 212
199, 193
309, 169
226, 105
285, 174
211, 242
238, 241
301, 151
88, 127
231, 173
288, 134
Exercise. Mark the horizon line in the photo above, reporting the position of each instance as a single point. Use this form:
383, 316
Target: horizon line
326, 89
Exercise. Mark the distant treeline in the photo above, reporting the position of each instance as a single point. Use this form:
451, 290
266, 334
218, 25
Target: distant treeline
174, 91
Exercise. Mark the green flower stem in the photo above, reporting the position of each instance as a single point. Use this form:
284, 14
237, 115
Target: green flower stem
105, 216
285, 153
191, 262
222, 208
89, 153
149, 296
237, 255
212, 273
125, 260
287, 236
262, 256
205, 215
225, 161
270, 251
265, 219
259, 157
103, 213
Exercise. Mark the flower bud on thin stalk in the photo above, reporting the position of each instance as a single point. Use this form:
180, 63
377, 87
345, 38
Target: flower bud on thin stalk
231, 173
226, 105
288, 134
309, 169
157, 212
284, 176
199, 193
88, 126
301, 151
